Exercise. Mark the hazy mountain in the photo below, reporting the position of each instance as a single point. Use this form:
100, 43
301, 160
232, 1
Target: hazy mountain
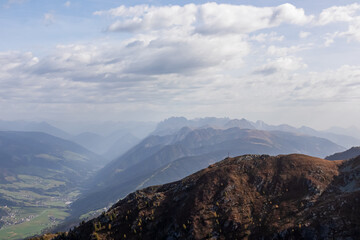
27, 126
173, 124
120, 146
242, 123
350, 153
247, 197
351, 131
113, 139
160, 159
138, 129
26, 157
111, 146
90, 140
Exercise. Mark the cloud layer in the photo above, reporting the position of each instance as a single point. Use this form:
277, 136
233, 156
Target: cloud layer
208, 18
188, 59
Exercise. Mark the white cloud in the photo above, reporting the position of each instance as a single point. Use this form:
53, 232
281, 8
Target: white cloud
208, 18
267, 37
49, 18
338, 85
338, 14
67, 4
280, 64
273, 50
180, 58
348, 14
304, 34
353, 32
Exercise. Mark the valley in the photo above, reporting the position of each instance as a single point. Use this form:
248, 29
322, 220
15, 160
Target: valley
49, 184
172, 120
40, 177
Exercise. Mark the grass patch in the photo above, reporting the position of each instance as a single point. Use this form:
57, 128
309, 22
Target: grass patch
45, 219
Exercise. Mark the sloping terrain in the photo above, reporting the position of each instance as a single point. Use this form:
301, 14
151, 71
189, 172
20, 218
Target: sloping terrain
41, 154
248, 197
39, 177
350, 153
162, 159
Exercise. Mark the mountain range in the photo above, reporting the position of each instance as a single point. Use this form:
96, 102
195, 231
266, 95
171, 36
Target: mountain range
247, 197
162, 159
42, 173
107, 141
336, 135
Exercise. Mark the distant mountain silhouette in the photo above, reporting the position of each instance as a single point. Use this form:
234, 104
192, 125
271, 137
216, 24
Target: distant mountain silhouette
172, 125
351, 131
350, 153
28, 126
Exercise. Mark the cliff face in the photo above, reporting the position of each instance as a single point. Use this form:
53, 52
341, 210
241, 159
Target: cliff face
247, 197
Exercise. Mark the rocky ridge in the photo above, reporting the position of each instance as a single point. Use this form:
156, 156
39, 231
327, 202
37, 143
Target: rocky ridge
248, 197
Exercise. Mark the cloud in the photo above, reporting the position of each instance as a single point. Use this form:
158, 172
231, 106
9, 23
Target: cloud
338, 14
336, 85
348, 14
49, 18
207, 19
304, 34
171, 61
285, 51
267, 37
174, 55
280, 64
353, 32
67, 4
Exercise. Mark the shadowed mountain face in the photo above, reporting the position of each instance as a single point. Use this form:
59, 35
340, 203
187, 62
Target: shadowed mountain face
162, 159
351, 153
248, 197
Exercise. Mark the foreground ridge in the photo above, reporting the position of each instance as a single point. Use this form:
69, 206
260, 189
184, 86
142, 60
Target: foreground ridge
248, 197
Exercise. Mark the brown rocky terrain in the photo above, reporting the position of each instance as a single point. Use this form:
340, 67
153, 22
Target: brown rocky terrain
247, 197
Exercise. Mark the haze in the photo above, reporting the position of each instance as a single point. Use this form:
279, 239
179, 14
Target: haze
294, 63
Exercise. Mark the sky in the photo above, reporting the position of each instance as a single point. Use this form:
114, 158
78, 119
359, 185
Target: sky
102, 60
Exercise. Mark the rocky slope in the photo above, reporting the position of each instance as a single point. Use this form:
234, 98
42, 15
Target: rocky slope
248, 197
